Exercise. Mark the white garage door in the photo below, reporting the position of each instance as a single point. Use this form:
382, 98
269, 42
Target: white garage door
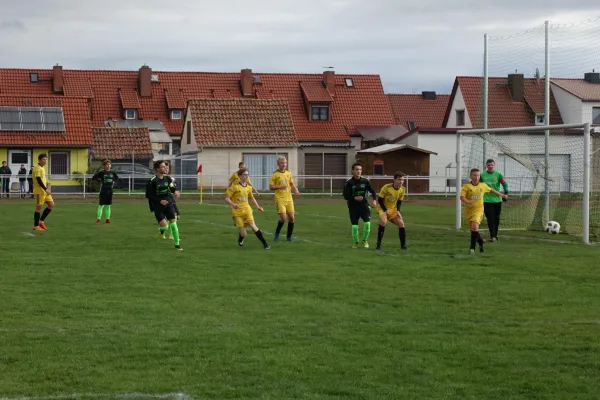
261, 166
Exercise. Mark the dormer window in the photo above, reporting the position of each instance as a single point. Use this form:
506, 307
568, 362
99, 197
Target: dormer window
130, 113
34, 77
176, 114
540, 119
349, 83
412, 125
320, 113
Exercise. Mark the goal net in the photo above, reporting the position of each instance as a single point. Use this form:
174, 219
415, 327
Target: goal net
545, 175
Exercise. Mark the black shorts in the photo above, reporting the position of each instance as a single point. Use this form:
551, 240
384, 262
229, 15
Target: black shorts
164, 212
106, 196
359, 212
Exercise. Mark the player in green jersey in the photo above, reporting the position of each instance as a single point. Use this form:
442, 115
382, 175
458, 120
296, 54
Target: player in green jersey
492, 204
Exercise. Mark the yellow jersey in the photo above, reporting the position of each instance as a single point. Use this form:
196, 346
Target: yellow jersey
279, 178
239, 195
38, 172
391, 196
474, 192
235, 179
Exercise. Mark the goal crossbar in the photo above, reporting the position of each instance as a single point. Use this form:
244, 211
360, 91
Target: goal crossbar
538, 128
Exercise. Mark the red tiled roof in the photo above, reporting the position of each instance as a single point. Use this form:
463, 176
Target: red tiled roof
129, 99
121, 143
364, 104
315, 92
242, 122
78, 131
503, 112
581, 88
413, 107
175, 99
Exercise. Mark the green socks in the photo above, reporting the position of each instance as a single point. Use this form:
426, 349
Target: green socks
108, 212
99, 212
355, 233
366, 230
163, 229
174, 232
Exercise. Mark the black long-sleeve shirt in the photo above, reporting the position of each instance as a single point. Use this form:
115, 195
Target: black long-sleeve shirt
107, 178
358, 187
158, 189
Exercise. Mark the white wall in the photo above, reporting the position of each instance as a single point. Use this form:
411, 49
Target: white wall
445, 145
185, 147
219, 163
568, 105
356, 142
586, 110
412, 140
458, 104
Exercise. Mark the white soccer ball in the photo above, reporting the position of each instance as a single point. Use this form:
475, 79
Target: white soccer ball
553, 227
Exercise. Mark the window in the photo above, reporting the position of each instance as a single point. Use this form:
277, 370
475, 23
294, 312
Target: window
176, 114
460, 117
320, 113
540, 119
130, 113
59, 164
34, 77
189, 132
32, 119
412, 125
349, 82
596, 115
378, 167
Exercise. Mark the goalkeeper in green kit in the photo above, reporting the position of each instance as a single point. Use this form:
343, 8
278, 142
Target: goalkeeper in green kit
492, 204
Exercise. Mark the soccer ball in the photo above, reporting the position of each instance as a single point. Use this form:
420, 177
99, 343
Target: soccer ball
553, 227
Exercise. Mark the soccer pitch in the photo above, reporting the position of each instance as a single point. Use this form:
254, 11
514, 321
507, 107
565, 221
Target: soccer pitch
113, 311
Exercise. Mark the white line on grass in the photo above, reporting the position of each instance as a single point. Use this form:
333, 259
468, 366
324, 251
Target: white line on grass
135, 395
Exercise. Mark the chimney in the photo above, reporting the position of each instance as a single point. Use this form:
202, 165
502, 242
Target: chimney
145, 81
428, 95
592, 77
57, 79
329, 80
516, 85
246, 82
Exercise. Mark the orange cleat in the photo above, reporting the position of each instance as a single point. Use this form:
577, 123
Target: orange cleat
97, 221
43, 225
39, 228
108, 221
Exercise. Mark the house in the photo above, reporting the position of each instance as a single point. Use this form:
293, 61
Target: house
578, 99
224, 131
389, 158
122, 144
370, 136
35, 118
425, 110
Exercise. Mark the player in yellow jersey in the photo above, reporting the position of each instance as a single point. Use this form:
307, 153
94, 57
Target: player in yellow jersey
41, 193
472, 194
282, 183
236, 179
389, 201
237, 197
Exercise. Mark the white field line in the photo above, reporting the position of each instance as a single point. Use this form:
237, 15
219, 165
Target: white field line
135, 395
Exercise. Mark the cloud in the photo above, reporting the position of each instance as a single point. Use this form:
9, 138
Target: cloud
414, 46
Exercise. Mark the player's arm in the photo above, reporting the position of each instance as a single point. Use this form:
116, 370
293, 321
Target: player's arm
259, 208
228, 200
400, 199
293, 185
96, 176
381, 202
504, 196
115, 176
463, 196
273, 186
348, 190
373, 193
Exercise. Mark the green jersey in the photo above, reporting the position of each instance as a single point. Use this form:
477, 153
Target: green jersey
493, 180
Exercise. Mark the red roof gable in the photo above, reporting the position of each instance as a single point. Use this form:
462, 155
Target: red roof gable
315, 92
503, 112
363, 104
78, 131
121, 143
413, 107
129, 99
242, 122
175, 99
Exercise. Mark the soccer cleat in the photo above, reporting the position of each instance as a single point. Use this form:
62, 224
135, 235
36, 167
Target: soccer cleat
481, 249
161, 234
365, 244
177, 247
241, 242
97, 221
267, 247
43, 225
276, 236
290, 239
38, 228
355, 246
403, 247
378, 246
472, 251
108, 221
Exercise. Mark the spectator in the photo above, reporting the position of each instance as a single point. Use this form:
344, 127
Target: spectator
22, 180
5, 173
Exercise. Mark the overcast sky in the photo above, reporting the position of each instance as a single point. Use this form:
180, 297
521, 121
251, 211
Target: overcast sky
414, 45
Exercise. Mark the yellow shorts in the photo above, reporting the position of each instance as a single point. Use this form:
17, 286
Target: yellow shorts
284, 207
476, 216
243, 220
43, 197
389, 217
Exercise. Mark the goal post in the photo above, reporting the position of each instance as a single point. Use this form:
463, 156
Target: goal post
548, 169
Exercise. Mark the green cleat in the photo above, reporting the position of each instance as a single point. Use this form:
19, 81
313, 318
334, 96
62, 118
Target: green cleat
355, 246
365, 244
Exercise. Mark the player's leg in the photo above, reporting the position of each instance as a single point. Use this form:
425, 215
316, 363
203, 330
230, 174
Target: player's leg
291, 217
381, 229
354, 217
281, 211
497, 212
258, 233
49, 206
39, 202
475, 236
170, 214
399, 222
100, 206
108, 202
365, 215
489, 212
163, 224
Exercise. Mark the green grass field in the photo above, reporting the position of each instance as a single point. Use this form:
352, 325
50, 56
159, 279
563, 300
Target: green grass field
109, 310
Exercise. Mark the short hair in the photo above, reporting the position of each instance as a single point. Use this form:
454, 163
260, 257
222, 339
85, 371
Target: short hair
281, 158
356, 164
241, 171
474, 170
490, 160
43, 155
107, 161
157, 164
240, 164
167, 163
399, 174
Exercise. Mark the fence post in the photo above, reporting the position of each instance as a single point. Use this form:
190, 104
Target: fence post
331, 186
84, 178
212, 187
129, 185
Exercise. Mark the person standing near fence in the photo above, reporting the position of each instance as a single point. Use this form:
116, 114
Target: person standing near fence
355, 194
492, 204
22, 180
107, 179
5, 173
